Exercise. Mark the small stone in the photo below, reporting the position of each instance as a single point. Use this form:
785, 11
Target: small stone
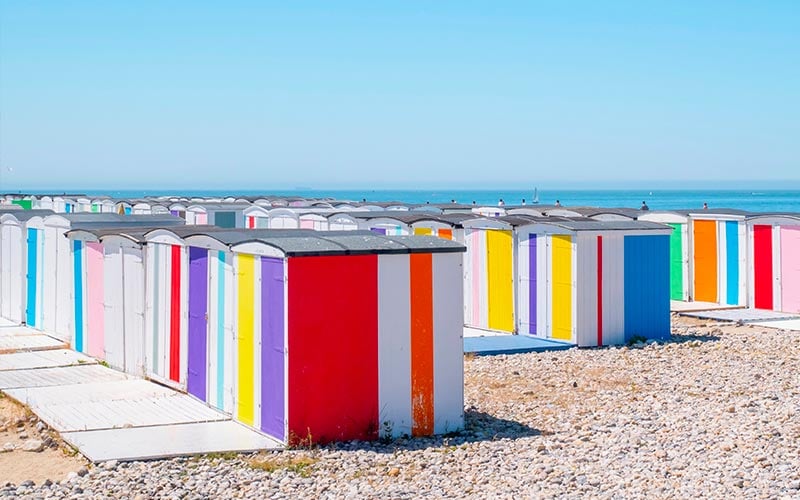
33, 445
83, 471
730, 409
27, 484
8, 447
40, 427
23, 435
71, 476
393, 472
110, 465
794, 485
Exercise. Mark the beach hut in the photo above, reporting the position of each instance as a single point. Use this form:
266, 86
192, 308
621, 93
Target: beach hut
774, 253
55, 297
308, 306
110, 294
196, 215
394, 223
315, 221
592, 283
226, 215
537, 211
718, 249
20, 263
26, 203
558, 278
256, 216
489, 272
282, 218
487, 211
679, 248
342, 222
178, 209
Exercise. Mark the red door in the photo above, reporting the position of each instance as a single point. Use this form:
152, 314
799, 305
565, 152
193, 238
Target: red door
762, 255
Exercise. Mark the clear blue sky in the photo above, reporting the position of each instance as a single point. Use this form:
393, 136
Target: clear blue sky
330, 94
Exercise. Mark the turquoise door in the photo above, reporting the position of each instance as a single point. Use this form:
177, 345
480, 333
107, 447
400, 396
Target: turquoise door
30, 311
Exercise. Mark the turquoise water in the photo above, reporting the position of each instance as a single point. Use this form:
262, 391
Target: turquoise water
760, 201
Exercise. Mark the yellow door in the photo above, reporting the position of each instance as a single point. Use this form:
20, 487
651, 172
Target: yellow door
499, 255
562, 287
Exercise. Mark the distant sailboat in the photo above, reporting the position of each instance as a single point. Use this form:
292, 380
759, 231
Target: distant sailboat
535, 196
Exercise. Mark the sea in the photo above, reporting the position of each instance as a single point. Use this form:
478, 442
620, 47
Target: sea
756, 201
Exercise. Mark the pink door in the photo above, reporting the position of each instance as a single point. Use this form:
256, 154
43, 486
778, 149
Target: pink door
790, 269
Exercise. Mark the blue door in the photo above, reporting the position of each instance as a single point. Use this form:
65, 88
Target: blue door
30, 311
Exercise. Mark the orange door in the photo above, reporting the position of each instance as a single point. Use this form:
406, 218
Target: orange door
705, 260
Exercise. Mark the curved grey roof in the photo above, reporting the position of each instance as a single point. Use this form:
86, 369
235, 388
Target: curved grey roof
407, 217
28, 214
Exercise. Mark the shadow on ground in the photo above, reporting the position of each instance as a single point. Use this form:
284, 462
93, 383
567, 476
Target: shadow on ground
680, 339
478, 426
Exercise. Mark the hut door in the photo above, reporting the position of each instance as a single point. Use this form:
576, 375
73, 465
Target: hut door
113, 307
272, 348
790, 269
198, 322
133, 300
762, 255
30, 311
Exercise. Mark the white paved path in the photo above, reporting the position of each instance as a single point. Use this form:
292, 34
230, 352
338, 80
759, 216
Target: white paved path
109, 415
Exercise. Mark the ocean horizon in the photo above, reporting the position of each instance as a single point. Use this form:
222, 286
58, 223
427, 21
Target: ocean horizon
757, 200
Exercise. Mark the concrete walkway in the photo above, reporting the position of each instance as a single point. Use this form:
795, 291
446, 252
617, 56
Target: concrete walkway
109, 415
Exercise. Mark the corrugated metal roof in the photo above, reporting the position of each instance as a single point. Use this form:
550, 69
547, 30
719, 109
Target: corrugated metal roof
407, 217
596, 225
22, 215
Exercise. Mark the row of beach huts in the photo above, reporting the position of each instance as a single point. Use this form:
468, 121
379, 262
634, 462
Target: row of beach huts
336, 320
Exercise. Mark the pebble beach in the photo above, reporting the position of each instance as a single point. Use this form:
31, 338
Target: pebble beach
711, 413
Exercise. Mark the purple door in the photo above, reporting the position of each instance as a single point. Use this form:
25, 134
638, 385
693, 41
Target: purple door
378, 230
198, 322
532, 284
272, 349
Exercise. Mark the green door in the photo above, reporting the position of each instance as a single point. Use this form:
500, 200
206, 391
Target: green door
676, 262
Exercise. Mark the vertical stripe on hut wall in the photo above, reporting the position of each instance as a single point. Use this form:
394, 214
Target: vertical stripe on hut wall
499, 253
599, 290
422, 344
762, 256
155, 307
532, 283
790, 269
198, 323
394, 345
175, 314
475, 251
732, 262
333, 378
613, 289
562, 287
222, 367
245, 337
448, 344
647, 287
77, 262
676, 262
32, 279
95, 311
272, 348
705, 260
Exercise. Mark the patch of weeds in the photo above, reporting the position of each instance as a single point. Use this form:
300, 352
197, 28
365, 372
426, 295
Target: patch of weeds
295, 442
103, 362
469, 356
302, 466
636, 339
